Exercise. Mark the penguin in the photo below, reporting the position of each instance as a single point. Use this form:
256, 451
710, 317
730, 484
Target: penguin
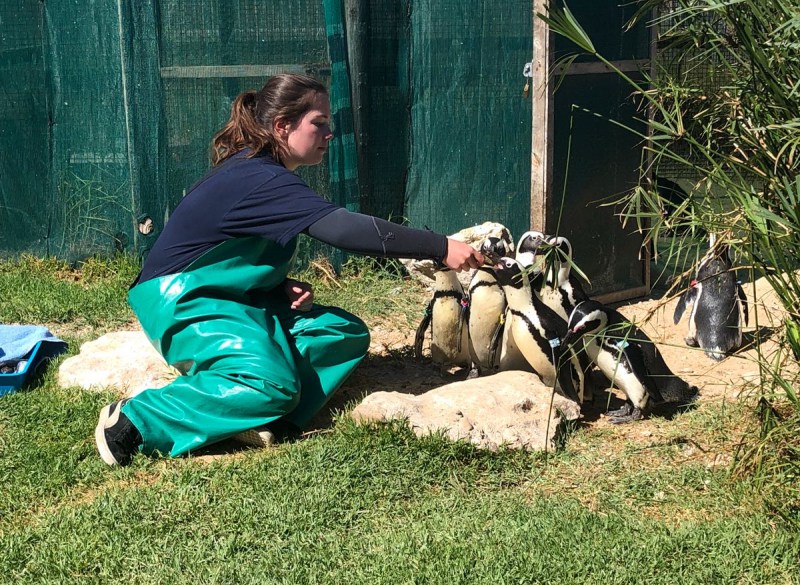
719, 305
527, 254
673, 199
537, 331
487, 306
529, 248
550, 257
446, 315
628, 358
559, 288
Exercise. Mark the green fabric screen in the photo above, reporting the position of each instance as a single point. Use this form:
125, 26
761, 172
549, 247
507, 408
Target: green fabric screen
108, 108
470, 124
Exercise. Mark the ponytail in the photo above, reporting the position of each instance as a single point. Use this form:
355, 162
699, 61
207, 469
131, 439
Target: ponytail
286, 96
242, 130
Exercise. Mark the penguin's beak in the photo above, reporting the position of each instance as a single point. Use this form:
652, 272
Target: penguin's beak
570, 338
490, 257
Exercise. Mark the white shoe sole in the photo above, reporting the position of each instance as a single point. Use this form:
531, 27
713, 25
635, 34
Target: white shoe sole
100, 436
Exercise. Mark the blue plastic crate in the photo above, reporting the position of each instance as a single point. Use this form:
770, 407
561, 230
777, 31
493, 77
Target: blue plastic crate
40, 353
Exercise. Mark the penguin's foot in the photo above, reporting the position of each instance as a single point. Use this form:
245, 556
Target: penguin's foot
635, 414
691, 341
625, 410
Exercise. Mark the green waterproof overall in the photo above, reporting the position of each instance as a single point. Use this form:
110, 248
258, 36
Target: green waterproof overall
246, 357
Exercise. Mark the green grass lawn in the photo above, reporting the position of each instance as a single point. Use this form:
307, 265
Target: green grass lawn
363, 504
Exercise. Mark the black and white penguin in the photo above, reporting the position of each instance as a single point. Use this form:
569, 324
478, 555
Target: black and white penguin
558, 286
529, 248
447, 316
527, 255
487, 307
719, 305
673, 202
537, 331
628, 358
561, 290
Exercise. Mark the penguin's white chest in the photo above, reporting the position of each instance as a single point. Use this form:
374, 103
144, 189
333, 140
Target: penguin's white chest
526, 332
618, 373
448, 333
487, 307
487, 304
551, 297
693, 313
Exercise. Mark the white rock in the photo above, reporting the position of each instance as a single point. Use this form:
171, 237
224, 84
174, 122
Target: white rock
124, 361
422, 270
506, 409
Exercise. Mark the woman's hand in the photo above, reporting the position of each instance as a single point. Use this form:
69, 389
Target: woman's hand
301, 295
461, 256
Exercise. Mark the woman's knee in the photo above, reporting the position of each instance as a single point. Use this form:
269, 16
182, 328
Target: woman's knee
355, 330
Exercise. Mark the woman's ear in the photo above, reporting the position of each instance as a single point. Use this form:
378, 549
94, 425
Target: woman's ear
281, 127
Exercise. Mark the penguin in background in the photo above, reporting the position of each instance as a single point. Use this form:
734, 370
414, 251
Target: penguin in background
559, 287
561, 290
673, 198
447, 316
719, 304
487, 307
537, 332
529, 248
550, 273
628, 358
548, 258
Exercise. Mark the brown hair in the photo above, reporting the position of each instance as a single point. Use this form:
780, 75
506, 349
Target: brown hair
287, 96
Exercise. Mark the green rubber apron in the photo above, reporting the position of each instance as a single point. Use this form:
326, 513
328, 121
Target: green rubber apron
246, 357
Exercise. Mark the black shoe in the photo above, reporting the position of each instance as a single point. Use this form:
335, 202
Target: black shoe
116, 438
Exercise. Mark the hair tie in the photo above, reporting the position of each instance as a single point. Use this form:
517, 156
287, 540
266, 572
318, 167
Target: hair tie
249, 99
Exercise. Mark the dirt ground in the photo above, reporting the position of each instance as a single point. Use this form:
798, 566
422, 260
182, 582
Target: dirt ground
391, 366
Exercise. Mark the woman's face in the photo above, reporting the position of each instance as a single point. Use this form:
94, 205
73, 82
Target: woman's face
308, 138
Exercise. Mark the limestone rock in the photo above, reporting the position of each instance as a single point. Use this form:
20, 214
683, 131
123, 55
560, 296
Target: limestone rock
422, 270
122, 360
509, 408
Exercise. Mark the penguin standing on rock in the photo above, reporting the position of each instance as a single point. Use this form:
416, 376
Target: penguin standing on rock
446, 315
487, 307
628, 358
537, 332
719, 305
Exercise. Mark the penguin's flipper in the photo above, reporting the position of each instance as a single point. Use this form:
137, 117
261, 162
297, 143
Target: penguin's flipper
495, 341
564, 376
743, 300
634, 353
577, 287
463, 319
419, 338
686, 298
